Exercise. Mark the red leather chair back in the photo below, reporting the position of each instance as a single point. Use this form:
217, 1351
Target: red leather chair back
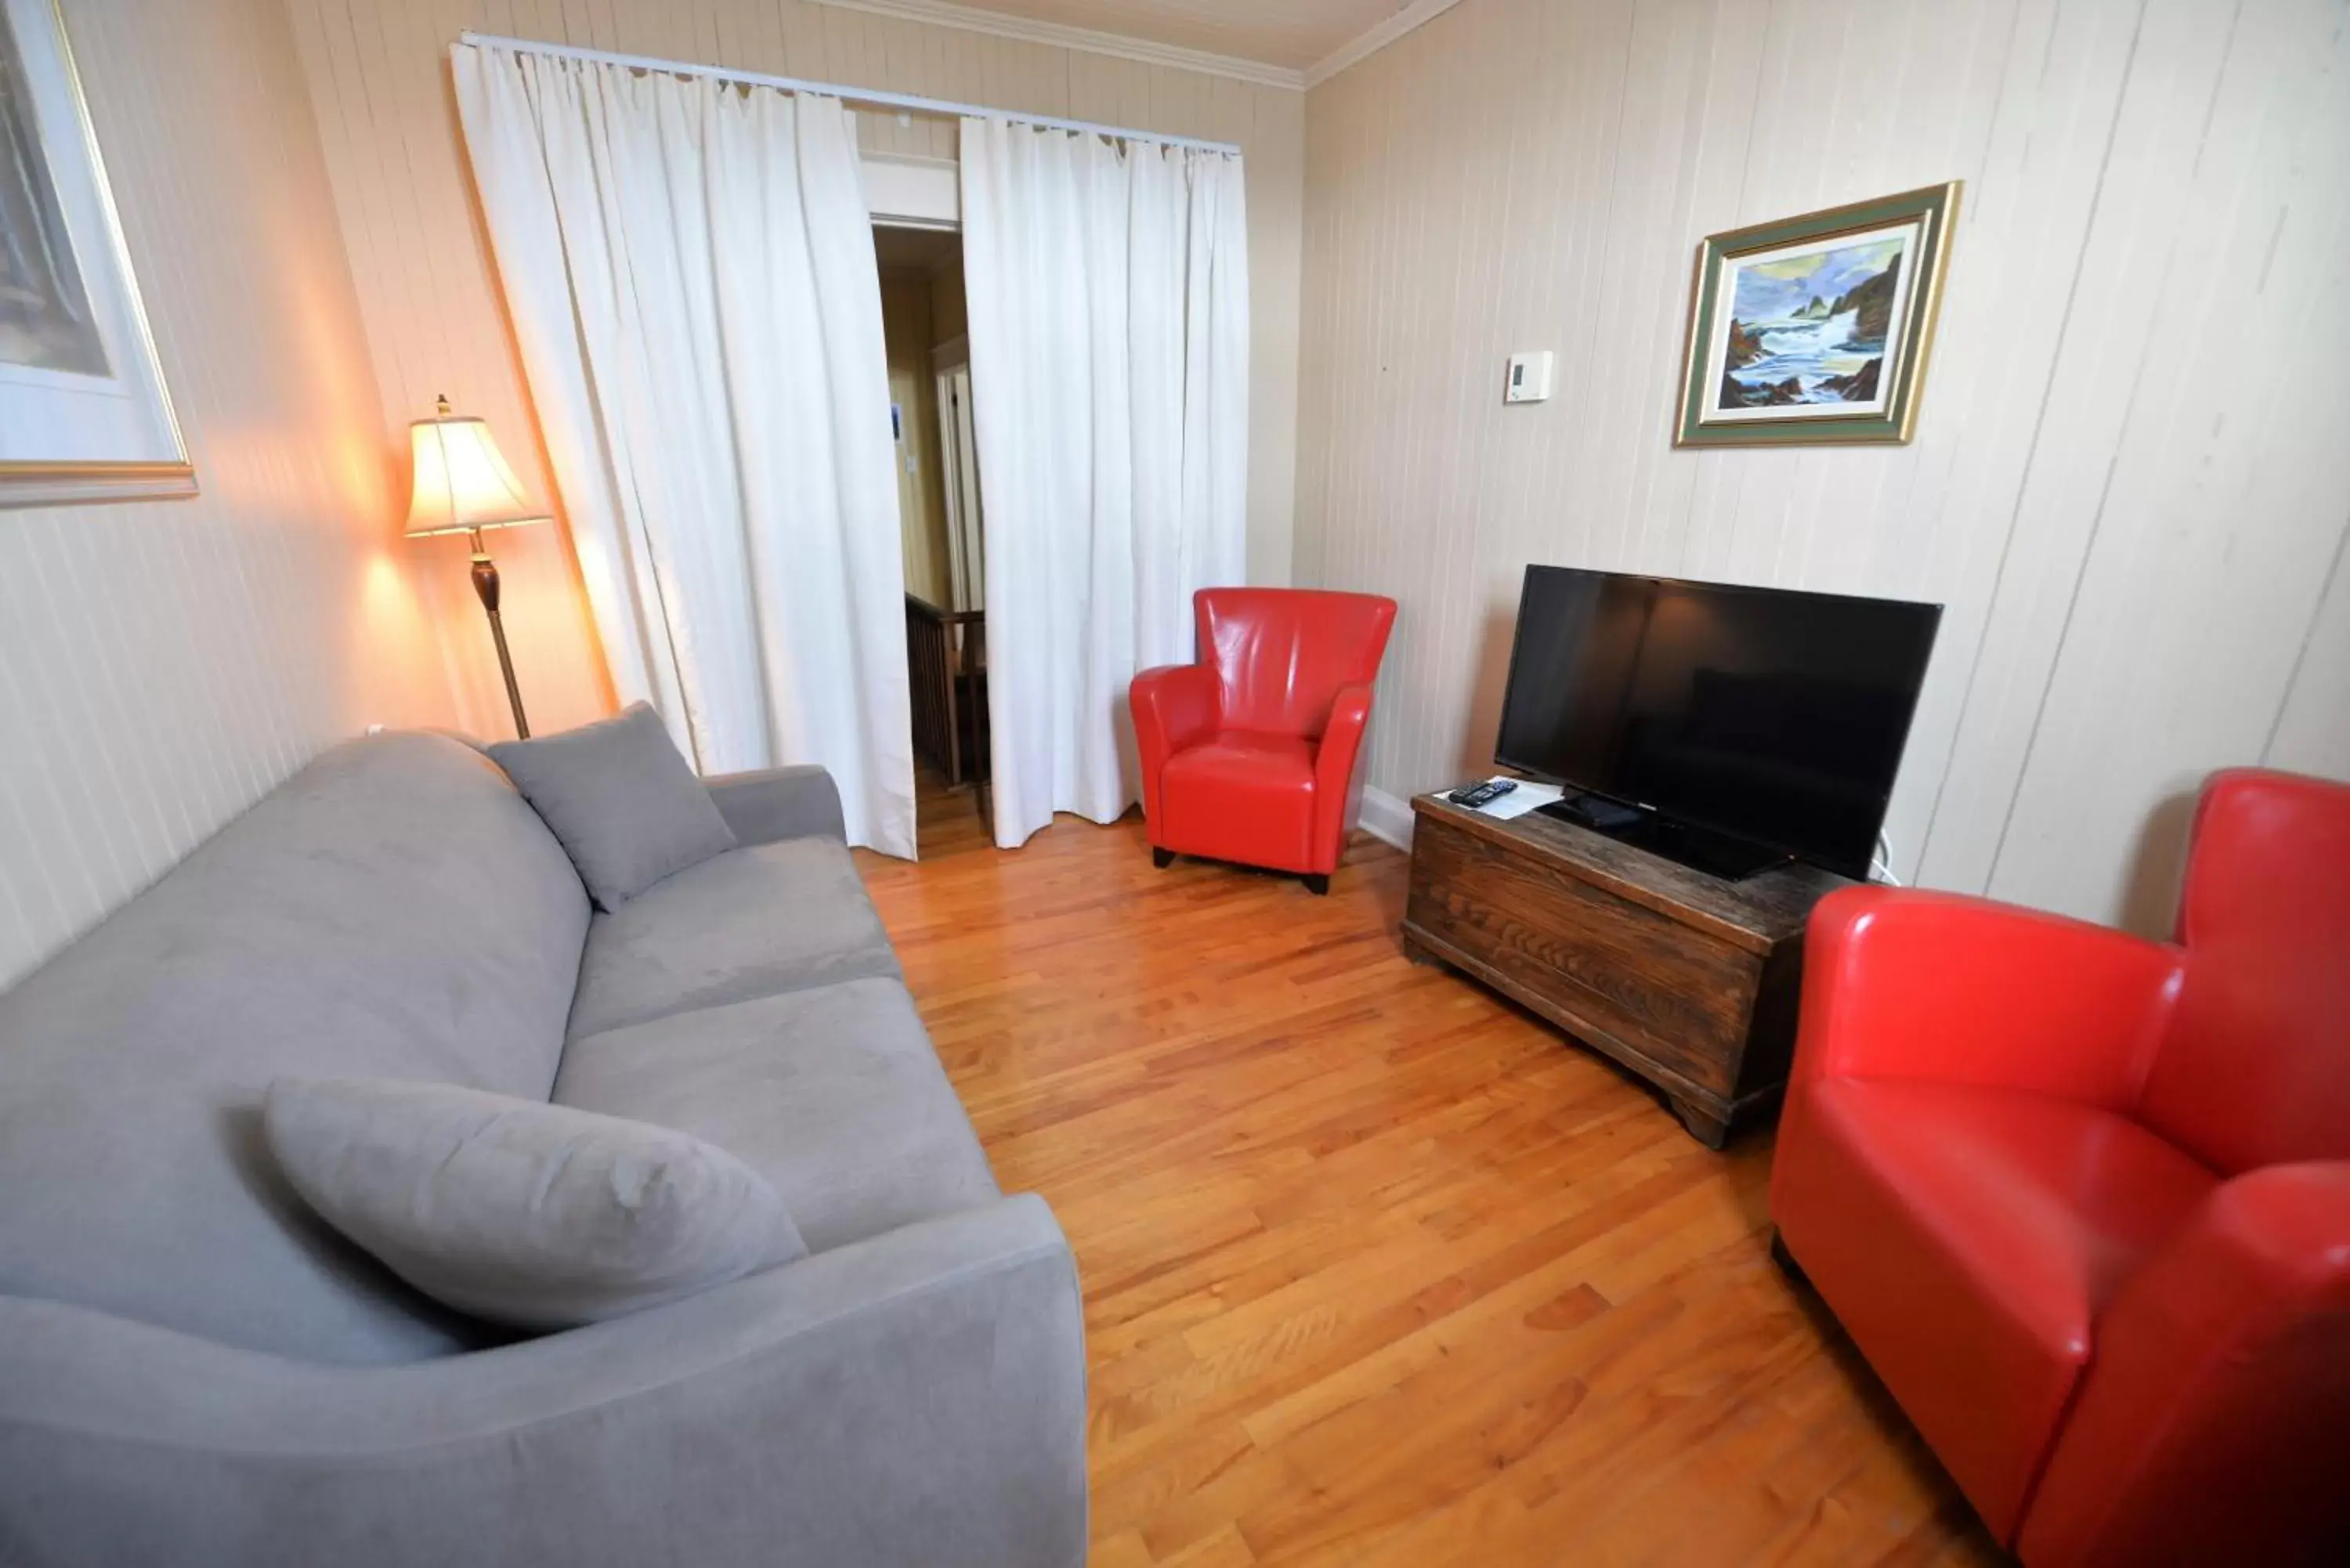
1281, 654
2256, 1069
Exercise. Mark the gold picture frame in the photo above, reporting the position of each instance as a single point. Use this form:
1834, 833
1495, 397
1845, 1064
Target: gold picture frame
1817, 329
85, 412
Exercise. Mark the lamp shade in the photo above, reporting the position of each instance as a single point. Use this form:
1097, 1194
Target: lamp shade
462, 481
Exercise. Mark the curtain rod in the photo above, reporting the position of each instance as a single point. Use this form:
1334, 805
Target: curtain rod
833, 90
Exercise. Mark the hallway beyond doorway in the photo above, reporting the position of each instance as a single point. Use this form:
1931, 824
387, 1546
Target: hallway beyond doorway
938, 498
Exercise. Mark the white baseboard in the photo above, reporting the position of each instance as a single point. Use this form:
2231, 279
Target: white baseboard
1385, 818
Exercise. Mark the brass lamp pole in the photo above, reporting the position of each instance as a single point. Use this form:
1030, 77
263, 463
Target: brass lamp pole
462, 486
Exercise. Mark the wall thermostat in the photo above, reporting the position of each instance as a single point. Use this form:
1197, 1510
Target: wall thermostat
1529, 380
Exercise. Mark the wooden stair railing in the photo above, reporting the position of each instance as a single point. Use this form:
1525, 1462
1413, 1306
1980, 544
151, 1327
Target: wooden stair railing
946, 665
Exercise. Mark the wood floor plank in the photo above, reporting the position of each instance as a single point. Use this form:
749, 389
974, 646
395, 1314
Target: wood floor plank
1379, 1270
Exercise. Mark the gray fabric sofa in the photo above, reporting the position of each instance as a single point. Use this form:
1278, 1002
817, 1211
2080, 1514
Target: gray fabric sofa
195, 1370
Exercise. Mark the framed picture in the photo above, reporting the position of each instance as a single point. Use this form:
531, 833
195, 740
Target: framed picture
1815, 329
84, 413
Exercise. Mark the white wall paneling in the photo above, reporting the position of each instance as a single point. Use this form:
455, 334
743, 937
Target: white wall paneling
163, 663
2128, 486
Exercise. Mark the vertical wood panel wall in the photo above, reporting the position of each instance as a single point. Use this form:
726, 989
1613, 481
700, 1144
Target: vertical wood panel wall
2129, 485
378, 74
162, 664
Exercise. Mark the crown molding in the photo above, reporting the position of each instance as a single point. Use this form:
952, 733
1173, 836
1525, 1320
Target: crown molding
1059, 35
1088, 40
1371, 40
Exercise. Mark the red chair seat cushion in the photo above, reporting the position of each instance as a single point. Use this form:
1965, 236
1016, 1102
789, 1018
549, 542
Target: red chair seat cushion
1244, 796
1968, 1239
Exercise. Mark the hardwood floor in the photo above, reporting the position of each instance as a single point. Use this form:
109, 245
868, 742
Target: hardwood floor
1379, 1271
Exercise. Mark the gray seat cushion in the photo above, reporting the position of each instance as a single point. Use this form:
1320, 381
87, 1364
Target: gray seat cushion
750, 922
519, 1211
833, 1094
393, 910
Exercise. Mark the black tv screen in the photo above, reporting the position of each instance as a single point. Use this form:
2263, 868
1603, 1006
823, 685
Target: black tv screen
1775, 716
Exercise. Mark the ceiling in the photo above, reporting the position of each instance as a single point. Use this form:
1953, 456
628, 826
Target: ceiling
1290, 34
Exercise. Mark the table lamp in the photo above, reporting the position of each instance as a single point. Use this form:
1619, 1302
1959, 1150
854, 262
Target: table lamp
464, 486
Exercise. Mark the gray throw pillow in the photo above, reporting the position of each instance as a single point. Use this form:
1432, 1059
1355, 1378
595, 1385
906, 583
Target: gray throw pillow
520, 1211
624, 805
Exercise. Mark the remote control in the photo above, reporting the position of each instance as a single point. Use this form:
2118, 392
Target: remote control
1485, 794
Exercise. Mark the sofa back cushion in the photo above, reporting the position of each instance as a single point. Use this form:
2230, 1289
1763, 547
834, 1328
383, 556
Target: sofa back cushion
395, 911
1281, 654
2255, 1069
621, 799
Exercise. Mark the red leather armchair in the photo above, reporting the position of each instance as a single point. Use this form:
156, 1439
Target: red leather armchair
2083, 1200
1249, 755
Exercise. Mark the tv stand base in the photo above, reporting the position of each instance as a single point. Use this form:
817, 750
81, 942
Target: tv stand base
1687, 980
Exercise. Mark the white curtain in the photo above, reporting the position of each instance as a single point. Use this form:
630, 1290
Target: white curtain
1107, 290
690, 269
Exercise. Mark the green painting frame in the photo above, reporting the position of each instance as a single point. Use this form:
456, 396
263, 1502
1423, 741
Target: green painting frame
1931, 211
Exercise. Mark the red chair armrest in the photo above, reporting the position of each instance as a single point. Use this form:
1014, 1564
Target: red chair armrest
1908, 984
2210, 1426
1340, 748
1174, 706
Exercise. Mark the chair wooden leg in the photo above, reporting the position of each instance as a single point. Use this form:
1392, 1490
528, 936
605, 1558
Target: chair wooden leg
1162, 859
1317, 884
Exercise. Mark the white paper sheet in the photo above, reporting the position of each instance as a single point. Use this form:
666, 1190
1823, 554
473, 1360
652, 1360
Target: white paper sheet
1528, 796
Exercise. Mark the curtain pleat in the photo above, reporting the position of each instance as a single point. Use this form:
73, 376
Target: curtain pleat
689, 265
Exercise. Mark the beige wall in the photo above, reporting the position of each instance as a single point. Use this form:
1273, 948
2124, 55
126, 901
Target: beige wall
379, 75
163, 663
2129, 485
947, 318
906, 321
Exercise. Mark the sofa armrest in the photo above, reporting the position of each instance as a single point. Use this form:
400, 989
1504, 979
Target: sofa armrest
1900, 983
776, 804
1174, 706
1338, 793
915, 1397
2209, 1427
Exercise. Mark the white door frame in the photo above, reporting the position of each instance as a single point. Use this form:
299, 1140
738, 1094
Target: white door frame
906, 191
959, 477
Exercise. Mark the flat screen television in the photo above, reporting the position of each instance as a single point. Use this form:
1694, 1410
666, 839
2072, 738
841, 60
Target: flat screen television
1730, 728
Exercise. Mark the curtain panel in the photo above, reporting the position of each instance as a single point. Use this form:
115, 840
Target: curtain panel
689, 265
1107, 294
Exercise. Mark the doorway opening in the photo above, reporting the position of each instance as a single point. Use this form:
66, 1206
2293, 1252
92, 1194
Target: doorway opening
939, 507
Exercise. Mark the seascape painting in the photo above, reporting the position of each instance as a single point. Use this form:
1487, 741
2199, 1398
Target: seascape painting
45, 320
1813, 325
1814, 328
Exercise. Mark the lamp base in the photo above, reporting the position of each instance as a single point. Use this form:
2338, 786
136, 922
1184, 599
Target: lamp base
485, 587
